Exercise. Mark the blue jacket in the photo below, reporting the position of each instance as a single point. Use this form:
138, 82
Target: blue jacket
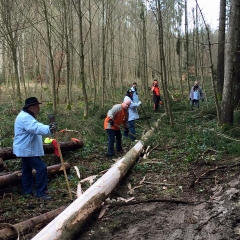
28, 133
132, 110
196, 93
135, 94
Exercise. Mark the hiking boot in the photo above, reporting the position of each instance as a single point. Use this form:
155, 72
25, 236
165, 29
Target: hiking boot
44, 197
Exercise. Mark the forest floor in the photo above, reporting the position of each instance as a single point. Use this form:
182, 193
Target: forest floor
165, 201
159, 198
198, 202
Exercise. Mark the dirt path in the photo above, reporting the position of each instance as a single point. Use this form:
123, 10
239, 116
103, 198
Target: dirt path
212, 214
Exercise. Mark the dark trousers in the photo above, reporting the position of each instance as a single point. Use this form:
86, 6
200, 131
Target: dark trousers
131, 125
196, 102
112, 134
29, 163
156, 100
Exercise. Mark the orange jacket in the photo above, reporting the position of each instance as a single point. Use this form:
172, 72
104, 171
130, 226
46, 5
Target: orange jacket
118, 115
156, 91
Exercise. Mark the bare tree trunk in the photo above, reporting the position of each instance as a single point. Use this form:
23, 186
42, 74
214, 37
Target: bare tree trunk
167, 104
144, 51
230, 63
187, 44
221, 49
49, 45
81, 48
103, 52
67, 13
91, 54
211, 66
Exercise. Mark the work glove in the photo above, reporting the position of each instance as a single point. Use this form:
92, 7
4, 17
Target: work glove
139, 103
53, 126
111, 122
202, 100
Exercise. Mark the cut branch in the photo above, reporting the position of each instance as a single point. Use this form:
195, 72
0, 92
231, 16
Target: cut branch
9, 179
177, 201
7, 153
29, 225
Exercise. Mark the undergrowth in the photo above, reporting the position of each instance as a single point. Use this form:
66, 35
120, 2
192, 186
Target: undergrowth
194, 136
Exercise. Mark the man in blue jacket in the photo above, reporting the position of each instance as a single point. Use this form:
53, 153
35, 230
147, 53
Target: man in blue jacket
133, 114
28, 145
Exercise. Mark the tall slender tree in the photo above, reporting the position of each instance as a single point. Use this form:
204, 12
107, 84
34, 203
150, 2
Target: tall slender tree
230, 63
221, 48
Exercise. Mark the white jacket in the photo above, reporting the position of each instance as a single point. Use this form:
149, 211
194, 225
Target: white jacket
132, 111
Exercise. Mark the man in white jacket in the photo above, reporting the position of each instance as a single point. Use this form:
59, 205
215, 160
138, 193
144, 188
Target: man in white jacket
133, 114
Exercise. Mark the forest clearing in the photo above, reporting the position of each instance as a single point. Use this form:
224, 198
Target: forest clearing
184, 187
78, 66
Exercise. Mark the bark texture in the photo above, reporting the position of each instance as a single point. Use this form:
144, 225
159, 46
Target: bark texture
29, 225
230, 64
12, 178
7, 153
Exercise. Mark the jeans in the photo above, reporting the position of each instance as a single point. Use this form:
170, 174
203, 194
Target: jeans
196, 102
29, 163
131, 125
112, 134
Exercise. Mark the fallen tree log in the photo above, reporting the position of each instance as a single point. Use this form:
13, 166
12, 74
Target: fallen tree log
9, 179
7, 153
69, 223
29, 225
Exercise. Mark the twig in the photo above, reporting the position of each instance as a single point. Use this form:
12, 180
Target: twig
225, 136
162, 184
153, 149
119, 204
199, 227
149, 162
210, 170
216, 168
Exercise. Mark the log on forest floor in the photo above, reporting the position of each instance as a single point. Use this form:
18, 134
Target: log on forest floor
28, 225
69, 223
7, 153
71, 220
13, 178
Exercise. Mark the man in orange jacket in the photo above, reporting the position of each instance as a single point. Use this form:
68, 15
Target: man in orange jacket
156, 95
116, 116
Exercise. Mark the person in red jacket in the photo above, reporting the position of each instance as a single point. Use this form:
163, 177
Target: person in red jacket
156, 95
116, 116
